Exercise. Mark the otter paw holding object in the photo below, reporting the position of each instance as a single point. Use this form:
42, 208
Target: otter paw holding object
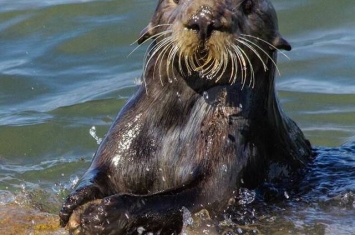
122, 214
77, 198
110, 215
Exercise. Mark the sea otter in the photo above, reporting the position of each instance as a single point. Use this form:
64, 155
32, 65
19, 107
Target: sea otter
205, 122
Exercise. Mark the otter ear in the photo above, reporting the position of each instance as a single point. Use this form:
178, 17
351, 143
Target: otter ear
145, 33
280, 43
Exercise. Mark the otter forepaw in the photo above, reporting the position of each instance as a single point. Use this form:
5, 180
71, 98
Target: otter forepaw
107, 216
76, 199
124, 214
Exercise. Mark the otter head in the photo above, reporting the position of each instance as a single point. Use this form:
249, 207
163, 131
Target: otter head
220, 41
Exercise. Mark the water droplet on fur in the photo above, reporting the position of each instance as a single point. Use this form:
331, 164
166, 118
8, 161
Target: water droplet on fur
178, 96
170, 80
147, 169
205, 95
246, 196
92, 132
253, 213
286, 195
163, 178
224, 168
240, 231
140, 230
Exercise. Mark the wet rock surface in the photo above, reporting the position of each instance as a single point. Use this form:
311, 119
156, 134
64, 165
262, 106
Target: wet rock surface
18, 220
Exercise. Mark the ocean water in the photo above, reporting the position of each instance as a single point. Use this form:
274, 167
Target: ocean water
65, 68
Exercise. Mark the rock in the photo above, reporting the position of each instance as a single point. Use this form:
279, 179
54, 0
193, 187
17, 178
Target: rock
17, 220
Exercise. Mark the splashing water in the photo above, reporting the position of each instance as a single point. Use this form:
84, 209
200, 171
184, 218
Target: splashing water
246, 196
205, 95
94, 135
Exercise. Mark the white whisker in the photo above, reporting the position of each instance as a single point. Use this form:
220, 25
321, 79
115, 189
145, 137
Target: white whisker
232, 60
154, 36
261, 49
220, 64
266, 42
171, 60
252, 78
254, 51
157, 49
180, 61
242, 63
160, 58
221, 59
157, 26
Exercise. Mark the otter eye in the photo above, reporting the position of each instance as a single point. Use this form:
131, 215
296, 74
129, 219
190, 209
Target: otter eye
248, 6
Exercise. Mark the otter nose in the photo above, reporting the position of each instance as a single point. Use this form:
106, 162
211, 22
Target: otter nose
204, 23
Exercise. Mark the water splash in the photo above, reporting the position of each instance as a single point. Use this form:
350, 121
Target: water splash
74, 179
205, 95
92, 132
187, 217
246, 196
178, 96
187, 220
140, 230
6, 197
224, 168
138, 81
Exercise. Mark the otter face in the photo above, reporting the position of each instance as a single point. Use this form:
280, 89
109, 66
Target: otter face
220, 40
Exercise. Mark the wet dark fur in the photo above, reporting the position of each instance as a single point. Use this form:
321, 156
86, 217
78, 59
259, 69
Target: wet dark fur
192, 142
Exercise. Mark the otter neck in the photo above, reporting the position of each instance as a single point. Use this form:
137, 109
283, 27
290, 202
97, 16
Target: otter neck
258, 102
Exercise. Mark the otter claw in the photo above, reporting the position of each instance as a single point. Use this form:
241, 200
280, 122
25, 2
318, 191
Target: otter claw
76, 199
